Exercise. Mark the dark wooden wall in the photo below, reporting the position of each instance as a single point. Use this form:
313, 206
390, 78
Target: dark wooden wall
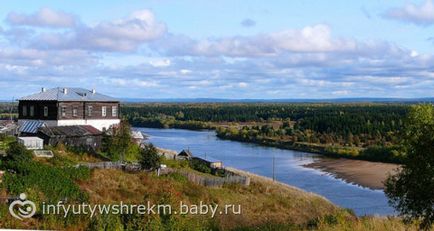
91, 142
39, 110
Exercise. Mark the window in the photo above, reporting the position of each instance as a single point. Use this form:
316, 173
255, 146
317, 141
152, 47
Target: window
24, 110
74, 112
104, 111
114, 111
89, 110
45, 111
63, 111
32, 111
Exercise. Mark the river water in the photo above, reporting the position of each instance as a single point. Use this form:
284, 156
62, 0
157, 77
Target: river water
287, 167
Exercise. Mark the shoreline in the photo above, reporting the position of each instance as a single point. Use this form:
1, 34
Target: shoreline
360, 172
313, 149
364, 173
254, 177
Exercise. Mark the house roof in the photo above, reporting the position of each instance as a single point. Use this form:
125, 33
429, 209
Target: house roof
185, 153
209, 159
71, 94
70, 131
30, 138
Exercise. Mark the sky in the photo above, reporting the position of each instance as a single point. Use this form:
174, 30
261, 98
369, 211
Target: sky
219, 49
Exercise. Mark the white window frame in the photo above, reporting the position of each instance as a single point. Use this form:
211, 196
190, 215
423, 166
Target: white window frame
32, 111
45, 111
89, 110
24, 110
63, 111
114, 111
74, 112
104, 111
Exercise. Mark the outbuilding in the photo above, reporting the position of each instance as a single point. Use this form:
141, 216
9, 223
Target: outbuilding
83, 136
184, 155
31, 142
210, 162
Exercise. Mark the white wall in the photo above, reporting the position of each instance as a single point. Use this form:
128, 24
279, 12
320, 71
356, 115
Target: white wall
99, 124
31, 143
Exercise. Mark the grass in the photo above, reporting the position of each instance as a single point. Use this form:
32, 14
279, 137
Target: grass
265, 205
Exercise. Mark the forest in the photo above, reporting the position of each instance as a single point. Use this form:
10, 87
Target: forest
361, 131
8, 110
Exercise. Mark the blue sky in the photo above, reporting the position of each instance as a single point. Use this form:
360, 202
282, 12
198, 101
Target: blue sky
219, 49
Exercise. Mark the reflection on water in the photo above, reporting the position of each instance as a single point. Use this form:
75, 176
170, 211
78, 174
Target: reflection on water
288, 167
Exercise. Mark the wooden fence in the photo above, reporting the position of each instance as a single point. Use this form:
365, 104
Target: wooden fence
133, 167
197, 178
210, 181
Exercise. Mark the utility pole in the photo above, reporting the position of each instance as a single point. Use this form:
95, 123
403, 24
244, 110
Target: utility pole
274, 176
10, 109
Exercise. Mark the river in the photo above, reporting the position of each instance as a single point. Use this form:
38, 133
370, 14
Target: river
287, 167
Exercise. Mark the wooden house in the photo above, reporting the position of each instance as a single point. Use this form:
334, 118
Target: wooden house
210, 162
67, 107
184, 155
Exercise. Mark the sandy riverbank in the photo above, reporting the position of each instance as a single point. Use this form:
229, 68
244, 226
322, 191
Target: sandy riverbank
365, 173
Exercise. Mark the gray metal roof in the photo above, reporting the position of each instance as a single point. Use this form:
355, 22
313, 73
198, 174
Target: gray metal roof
72, 94
31, 126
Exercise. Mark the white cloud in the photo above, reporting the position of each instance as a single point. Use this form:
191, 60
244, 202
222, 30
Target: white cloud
45, 17
341, 92
160, 62
242, 85
121, 35
418, 14
315, 38
185, 71
138, 52
129, 82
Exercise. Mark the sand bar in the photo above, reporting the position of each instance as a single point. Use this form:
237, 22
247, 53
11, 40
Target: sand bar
364, 173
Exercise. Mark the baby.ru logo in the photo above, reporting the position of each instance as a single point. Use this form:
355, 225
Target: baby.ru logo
25, 208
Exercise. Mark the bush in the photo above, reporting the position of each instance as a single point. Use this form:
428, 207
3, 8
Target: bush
54, 183
200, 166
149, 158
17, 152
383, 154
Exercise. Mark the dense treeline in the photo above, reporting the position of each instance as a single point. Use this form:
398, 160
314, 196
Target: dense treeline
328, 118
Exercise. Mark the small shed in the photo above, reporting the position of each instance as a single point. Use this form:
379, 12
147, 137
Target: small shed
211, 162
137, 136
184, 155
31, 142
75, 136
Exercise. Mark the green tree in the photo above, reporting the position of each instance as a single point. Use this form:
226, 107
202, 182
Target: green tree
119, 145
411, 190
17, 152
149, 158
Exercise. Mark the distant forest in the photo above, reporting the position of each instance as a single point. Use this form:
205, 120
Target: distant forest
339, 119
